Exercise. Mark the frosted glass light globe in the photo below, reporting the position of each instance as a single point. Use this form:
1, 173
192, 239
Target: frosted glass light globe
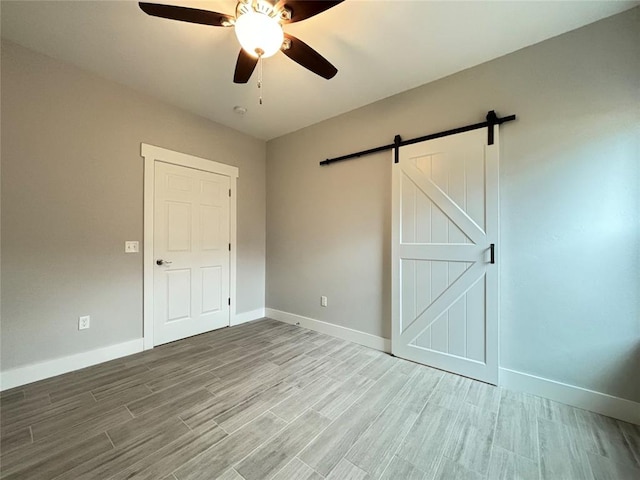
258, 32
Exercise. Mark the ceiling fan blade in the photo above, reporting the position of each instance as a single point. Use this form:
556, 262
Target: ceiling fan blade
244, 67
303, 9
184, 14
306, 56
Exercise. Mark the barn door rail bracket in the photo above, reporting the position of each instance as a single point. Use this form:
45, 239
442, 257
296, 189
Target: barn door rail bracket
491, 120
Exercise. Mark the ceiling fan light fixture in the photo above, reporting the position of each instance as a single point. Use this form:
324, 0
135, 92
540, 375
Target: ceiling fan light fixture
259, 34
258, 26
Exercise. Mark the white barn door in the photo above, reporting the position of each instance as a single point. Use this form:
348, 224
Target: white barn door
445, 286
191, 252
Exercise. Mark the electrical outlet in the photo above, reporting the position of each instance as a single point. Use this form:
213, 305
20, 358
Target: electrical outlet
84, 322
323, 301
131, 246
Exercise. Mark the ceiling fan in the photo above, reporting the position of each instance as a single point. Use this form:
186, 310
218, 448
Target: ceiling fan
258, 26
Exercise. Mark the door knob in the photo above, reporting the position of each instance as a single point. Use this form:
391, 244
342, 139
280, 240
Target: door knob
163, 262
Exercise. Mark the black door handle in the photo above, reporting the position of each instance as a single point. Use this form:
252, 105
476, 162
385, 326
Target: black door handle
492, 247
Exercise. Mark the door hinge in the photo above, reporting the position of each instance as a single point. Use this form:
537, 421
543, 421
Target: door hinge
229, 192
229, 302
229, 247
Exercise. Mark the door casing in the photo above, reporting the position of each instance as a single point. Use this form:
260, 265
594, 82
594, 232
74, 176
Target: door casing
152, 154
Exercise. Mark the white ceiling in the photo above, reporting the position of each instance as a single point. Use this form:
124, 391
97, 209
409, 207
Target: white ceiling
379, 47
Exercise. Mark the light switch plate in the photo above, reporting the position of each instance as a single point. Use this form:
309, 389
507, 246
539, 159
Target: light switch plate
131, 246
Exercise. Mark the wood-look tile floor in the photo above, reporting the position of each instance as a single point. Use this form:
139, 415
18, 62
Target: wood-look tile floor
269, 400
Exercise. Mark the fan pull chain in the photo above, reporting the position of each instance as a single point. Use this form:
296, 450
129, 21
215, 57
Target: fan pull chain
260, 78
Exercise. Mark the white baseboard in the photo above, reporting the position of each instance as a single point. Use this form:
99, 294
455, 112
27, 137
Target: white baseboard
245, 317
355, 336
602, 403
39, 371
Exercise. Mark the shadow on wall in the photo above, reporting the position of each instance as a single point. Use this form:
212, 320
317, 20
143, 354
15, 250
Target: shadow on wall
622, 375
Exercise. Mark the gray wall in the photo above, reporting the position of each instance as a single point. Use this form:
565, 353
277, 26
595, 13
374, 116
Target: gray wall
570, 221
72, 179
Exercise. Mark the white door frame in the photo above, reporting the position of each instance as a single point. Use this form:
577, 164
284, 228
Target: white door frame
152, 154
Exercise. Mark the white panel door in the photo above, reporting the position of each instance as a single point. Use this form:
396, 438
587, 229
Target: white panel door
445, 288
191, 252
